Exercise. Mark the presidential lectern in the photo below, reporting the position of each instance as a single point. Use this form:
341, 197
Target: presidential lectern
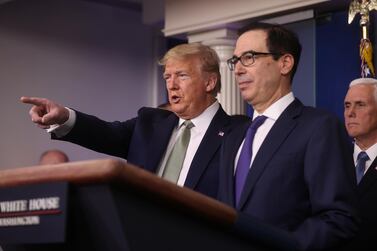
111, 205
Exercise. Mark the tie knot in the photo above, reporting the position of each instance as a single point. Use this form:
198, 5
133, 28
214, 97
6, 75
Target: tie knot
188, 124
362, 156
257, 122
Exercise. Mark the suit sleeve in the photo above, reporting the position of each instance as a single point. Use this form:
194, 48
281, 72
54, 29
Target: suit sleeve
111, 138
331, 194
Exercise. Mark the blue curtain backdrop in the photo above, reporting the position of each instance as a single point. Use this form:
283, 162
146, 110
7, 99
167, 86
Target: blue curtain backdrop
330, 59
337, 59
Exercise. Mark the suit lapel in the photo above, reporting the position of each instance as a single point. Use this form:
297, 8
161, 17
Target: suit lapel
350, 170
231, 146
368, 180
210, 144
271, 144
159, 141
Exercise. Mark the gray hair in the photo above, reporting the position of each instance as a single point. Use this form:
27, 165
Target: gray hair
365, 81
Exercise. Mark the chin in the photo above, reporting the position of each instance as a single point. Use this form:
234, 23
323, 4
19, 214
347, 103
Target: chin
177, 111
245, 96
353, 134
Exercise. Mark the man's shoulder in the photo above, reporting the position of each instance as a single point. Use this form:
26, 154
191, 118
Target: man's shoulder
315, 113
316, 120
297, 108
153, 114
239, 119
221, 117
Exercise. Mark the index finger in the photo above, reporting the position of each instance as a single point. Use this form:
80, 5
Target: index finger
33, 100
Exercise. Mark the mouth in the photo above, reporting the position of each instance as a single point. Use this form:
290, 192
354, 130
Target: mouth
243, 84
243, 81
352, 124
174, 99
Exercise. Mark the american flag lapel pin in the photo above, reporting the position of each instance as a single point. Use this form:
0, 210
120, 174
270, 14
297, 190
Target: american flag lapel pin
221, 133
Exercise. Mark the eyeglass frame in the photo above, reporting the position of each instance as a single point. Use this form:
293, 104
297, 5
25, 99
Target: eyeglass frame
231, 62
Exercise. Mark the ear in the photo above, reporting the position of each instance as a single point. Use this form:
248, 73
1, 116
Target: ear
287, 61
211, 82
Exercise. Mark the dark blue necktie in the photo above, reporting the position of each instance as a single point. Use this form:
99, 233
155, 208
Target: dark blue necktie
362, 158
243, 164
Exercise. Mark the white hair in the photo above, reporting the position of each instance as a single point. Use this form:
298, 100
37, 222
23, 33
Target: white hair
366, 81
363, 81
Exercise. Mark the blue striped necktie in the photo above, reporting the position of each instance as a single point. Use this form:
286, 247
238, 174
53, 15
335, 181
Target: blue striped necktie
362, 158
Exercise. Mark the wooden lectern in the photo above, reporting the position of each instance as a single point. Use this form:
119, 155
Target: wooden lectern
111, 205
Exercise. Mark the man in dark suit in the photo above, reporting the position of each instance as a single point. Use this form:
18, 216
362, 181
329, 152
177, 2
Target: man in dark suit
360, 114
192, 79
295, 176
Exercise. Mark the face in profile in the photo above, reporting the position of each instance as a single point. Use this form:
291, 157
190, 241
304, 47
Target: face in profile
360, 111
259, 83
188, 87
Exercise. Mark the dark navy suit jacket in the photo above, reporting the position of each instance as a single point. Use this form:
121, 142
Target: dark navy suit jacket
298, 179
143, 141
366, 191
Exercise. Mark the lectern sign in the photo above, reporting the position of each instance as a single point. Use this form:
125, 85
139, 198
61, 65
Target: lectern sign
33, 213
27, 212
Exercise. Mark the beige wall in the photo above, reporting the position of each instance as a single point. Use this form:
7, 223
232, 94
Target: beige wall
92, 57
193, 15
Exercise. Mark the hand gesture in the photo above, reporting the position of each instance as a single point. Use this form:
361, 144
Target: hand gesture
45, 112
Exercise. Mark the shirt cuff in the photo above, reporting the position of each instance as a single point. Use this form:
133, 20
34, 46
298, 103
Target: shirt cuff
63, 129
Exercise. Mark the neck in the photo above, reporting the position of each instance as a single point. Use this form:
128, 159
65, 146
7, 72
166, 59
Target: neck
261, 107
209, 102
364, 144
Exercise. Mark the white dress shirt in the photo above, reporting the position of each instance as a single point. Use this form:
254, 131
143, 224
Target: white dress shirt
201, 124
64, 129
272, 113
372, 154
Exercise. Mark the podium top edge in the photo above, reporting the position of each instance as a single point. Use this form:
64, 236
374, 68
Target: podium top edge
77, 172
115, 170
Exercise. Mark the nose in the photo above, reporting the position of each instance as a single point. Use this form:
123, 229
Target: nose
171, 83
350, 112
239, 68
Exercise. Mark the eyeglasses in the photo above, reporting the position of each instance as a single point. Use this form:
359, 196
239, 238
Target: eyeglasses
247, 58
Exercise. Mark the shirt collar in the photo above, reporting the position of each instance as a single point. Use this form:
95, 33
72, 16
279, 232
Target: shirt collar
205, 118
371, 151
277, 108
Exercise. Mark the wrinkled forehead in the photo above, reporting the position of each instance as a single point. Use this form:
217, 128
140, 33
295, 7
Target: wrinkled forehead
362, 92
255, 40
187, 63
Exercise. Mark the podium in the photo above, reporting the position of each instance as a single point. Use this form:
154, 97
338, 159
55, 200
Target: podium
111, 205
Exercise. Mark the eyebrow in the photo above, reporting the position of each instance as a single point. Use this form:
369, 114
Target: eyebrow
181, 71
175, 73
355, 102
360, 102
242, 53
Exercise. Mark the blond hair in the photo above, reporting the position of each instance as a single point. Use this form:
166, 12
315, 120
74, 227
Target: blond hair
207, 56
